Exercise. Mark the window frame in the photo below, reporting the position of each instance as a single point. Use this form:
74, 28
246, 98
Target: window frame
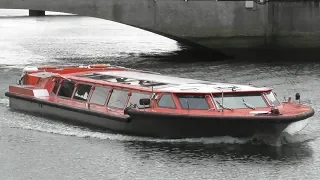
110, 95
61, 82
172, 97
56, 82
268, 101
76, 88
204, 97
138, 92
220, 108
93, 88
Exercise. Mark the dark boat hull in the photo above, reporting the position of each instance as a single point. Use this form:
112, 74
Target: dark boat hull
182, 126
152, 124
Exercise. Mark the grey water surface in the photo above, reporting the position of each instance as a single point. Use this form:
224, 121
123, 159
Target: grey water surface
38, 148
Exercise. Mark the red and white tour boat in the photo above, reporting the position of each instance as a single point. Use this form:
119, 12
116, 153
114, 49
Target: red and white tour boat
143, 103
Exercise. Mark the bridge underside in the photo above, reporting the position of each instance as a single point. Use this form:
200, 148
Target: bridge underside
236, 28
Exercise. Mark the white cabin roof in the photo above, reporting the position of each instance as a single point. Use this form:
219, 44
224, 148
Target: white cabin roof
171, 83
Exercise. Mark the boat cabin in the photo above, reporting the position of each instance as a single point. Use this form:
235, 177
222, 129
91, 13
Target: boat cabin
118, 89
121, 94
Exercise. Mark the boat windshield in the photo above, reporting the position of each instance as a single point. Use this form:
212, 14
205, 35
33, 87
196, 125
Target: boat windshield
272, 98
193, 101
239, 100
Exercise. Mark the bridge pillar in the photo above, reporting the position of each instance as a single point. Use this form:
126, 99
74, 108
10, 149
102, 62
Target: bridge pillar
36, 13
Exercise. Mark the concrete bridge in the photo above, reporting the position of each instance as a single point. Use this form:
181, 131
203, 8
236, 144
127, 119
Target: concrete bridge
235, 28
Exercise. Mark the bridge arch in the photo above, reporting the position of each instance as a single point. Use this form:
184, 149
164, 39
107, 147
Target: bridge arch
227, 26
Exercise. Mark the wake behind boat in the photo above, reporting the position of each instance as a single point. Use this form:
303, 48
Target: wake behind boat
150, 104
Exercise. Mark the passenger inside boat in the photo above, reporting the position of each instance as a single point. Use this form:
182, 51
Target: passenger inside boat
82, 92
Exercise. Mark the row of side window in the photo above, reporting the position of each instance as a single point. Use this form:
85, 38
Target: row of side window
119, 97
187, 101
100, 94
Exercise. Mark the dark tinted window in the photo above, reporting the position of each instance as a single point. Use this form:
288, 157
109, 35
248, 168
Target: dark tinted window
166, 101
66, 89
56, 86
82, 92
118, 98
100, 95
193, 101
136, 96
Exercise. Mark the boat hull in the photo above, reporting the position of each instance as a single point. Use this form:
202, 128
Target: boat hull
182, 126
153, 124
67, 114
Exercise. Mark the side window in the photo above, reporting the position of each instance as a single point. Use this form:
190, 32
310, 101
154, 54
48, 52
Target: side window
118, 98
166, 101
82, 92
193, 101
99, 95
273, 99
66, 89
136, 96
56, 87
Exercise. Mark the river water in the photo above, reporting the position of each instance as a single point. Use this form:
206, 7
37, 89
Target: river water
39, 148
